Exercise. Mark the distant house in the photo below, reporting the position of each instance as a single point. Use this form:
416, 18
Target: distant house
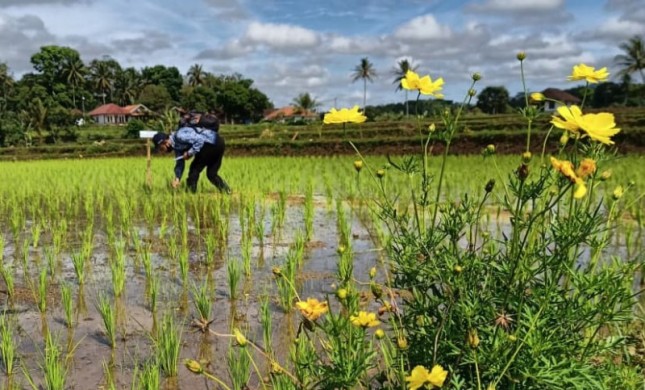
112, 114
561, 97
289, 114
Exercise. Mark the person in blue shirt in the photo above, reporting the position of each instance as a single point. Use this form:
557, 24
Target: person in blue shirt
200, 141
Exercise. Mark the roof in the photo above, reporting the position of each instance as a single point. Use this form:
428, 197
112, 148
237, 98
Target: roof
560, 95
136, 110
288, 112
107, 109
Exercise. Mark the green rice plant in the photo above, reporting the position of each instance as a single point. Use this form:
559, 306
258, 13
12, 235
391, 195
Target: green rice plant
153, 286
203, 301
78, 260
246, 254
8, 350
239, 367
58, 236
210, 241
117, 268
266, 322
108, 369
17, 220
183, 264
2, 244
55, 366
36, 229
259, 225
167, 346
345, 268
42, 291
50, 258
7, 276
146, 259
234, 275
108, 315
286, 281
147, 377
68, 308
309, 212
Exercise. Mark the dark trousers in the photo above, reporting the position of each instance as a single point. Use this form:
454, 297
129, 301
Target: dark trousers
209, 157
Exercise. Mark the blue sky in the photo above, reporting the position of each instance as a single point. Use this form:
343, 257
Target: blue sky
289, 46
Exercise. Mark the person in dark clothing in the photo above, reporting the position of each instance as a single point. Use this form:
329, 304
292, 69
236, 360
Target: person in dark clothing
201, 141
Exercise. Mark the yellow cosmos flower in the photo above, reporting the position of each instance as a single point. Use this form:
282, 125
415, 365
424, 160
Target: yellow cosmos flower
588, 73
344, 115
587, 167
537, 97
599, 127
618, 192
239, 337
421, 377
364, 319
571, 118
424, 85
312, 309
566, 169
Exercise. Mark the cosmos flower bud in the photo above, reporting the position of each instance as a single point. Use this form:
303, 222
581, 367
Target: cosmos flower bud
402, 343
239, 337
432, 128
458, 269
379, 333
606, 175
490, 148
526, 157
380, 173
376, 289
358, 165
477, 76
490, 185
521, 56
341, 293
372, 272
472, 92
193, 366
564, 139
277, 271
618, 192
473, 338
537, 97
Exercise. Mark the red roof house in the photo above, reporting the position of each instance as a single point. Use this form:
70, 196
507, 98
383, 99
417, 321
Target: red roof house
112, 114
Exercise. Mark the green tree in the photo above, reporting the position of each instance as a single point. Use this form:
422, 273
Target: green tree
633, 58
127, 86
399, 73
155, 97
200, 98
493, 100
304, 103
51, 63
6, 85
608, 94
103, 76
364, 71
169, 77
74, 71
195, 75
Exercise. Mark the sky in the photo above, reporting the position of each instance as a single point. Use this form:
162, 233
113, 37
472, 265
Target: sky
290, 47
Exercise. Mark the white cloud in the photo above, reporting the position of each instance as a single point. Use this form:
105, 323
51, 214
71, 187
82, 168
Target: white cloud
423, 28
614, 28
519, 5
280, 36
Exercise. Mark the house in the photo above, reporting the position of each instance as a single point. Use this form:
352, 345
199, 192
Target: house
561, 96
289, 114
112, 114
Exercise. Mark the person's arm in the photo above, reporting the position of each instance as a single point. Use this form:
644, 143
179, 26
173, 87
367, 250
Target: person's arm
196, 140
180, 164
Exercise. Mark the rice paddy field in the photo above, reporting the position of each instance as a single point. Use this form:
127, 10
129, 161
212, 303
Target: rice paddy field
111, 281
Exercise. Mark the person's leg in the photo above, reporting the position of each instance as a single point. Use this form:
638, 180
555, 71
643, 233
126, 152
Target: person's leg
214, 165
200, 161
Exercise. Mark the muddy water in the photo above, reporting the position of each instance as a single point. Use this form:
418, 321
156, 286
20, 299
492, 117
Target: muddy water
136, 322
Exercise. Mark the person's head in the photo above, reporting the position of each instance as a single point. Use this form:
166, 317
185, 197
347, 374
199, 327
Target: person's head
209, 121
162, 142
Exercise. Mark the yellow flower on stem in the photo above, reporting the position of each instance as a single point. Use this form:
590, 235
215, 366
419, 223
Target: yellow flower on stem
566, 169
586, 168
424, 84
588, 73
421, 377
364, 319
312, 309
344, 115
239, 337
537, 97
598, 127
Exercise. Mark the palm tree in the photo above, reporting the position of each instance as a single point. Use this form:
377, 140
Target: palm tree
74, 71
633, 59
195, 75
399, 72
305, 103
6, 83
101, 77
365, 71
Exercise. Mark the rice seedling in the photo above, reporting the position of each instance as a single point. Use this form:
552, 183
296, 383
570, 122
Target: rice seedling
167, 345
8, 348
153, 291
108, 315
266, 321
246, 254
239, 367
146, 259
234, 275
147, 377
36, 229
202, 300
42, 291
210, 241
68, 309
7, 276
55, 366
309, 211
78, 260
183, 264
108, 369
117, 268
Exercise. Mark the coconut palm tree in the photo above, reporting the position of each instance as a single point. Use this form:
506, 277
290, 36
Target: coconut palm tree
399, 72
364, 71
305, 103
74, 71
633, 59
195, 75
102, 75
